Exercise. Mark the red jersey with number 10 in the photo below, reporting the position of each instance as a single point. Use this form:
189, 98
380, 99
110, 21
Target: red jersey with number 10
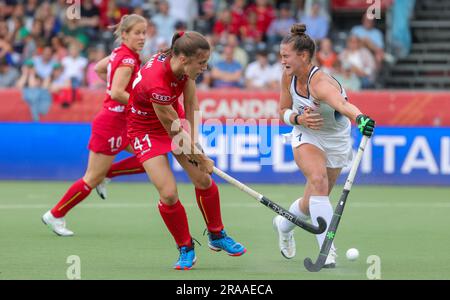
154, 83
120, 57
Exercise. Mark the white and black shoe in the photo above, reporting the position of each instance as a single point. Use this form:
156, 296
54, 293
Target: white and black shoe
286, 241
58, 225
330, 263
101, 188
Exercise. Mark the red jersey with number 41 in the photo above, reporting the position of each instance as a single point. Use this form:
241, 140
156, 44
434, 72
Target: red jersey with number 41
154, 83
120, 57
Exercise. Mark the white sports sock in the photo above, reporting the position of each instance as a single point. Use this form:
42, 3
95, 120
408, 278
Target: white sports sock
286, 225
320, 206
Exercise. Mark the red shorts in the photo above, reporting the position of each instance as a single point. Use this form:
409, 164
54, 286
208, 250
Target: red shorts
147, 146
109, 133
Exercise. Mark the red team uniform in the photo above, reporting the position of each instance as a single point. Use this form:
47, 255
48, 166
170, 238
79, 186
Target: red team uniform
155, 83
109, 135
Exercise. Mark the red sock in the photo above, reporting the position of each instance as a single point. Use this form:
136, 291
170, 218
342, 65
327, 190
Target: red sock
209, 203
176, 221
74, 195
127, 166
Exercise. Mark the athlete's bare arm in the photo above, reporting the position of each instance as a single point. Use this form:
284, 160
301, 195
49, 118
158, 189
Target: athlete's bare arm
324, 88
121, 79
191, 106
101, 68
285, 97
308, 119
171, 122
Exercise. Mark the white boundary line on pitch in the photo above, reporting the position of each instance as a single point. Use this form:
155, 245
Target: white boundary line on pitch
228, 205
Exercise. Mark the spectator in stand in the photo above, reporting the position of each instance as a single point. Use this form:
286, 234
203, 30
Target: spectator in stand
215, 55
44, 63
73, 32
75, 65
360, 60
8, 74
34, 41
224, 25
31, 7
277, 72
51, 29
227, 73
152, 42
44, 11
204, 81
18, 33
90, 18
401, 29
207, 16
184, 10
18, 13
258, 74
59, 8
280, 26
59, 50
180, 26
33, 91
5, 45
113, 14
370, 37
346, 77
239, 54
326, 57
238, 16
251, 34
51, 24
317, 25
60, 86
265, 14
93, 81
165, 23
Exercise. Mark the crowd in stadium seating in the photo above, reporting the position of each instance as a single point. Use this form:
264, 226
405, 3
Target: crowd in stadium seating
38, 38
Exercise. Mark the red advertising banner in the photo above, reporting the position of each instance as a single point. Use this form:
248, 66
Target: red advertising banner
389, 108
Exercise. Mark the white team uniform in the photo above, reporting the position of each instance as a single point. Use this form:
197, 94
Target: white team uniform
333, 137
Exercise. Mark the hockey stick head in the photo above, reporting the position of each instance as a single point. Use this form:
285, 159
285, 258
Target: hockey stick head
322, 225
314, 267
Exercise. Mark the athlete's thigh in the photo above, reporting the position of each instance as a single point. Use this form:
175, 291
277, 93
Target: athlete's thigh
200, 179
160, 174
310, 159
333, 175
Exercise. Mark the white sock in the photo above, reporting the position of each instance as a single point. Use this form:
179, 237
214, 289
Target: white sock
320, 206
286, 225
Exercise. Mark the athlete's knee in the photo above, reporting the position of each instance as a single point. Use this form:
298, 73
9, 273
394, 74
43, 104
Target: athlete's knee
319, 183
202, 181
168, 196
93, 179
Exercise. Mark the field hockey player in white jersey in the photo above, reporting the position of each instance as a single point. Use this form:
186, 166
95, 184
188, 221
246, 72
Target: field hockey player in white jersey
316, 105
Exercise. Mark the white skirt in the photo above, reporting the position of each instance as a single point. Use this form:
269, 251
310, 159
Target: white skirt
337, 146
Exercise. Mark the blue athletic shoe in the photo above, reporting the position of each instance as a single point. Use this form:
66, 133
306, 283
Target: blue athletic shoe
220, 241
187, 258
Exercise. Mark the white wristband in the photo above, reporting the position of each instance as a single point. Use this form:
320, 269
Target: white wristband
287, 117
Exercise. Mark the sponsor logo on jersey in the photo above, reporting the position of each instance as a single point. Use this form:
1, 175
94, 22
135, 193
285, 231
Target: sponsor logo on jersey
138, 112
162, 98
162, 57
128, 61
118, 109
173, 84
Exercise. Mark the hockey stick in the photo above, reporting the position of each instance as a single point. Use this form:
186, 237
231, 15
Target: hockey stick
325, 249
273, 206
